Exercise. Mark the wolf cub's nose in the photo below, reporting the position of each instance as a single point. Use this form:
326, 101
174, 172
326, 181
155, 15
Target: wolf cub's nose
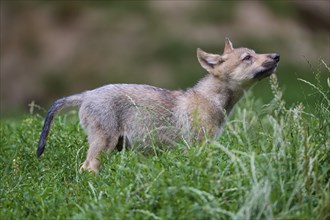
275, 57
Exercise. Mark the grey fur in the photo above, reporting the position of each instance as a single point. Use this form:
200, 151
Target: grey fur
140, 115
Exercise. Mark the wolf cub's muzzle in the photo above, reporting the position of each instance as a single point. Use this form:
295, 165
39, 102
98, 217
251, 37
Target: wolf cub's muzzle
269, 66
275, 57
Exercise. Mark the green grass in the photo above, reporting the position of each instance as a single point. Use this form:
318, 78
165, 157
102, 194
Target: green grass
271, 162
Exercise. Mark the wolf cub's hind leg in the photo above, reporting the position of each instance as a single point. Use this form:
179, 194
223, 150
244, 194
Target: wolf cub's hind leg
123, 141
97, 143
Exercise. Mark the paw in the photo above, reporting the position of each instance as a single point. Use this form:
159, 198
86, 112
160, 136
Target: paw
92, 166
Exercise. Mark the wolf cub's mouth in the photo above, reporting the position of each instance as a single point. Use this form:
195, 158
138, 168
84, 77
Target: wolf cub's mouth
264, 73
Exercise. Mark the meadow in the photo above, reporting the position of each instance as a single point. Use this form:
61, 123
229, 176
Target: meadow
272, 161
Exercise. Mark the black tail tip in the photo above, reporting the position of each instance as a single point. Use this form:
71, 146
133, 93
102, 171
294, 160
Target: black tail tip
40, 150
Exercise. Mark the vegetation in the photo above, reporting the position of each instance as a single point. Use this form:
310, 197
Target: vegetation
271, 162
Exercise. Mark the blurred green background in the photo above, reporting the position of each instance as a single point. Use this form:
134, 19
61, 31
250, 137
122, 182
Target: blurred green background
57, 48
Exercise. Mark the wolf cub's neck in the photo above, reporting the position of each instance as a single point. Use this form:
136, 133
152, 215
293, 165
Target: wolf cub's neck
218, 91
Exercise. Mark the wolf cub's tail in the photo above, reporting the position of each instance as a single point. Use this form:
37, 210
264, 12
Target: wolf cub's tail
74, 100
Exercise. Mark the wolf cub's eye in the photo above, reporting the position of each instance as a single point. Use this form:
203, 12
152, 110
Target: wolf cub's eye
247, 57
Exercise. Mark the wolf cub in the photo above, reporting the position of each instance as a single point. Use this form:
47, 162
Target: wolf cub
129, 114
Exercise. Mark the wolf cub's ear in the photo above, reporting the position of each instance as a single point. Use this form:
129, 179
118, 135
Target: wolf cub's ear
228, 46
208, 60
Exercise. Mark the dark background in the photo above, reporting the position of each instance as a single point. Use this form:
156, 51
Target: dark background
57, 48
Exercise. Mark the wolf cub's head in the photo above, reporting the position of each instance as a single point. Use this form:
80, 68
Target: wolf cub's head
240, 66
